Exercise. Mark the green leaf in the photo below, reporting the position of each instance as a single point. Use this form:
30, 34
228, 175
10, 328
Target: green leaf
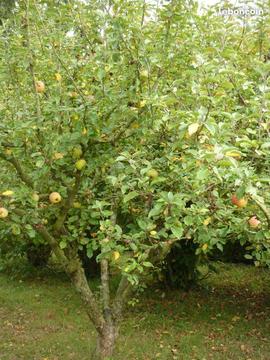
266, 145
188, 220
147, 264
219, 246
63, 244
177, 231
170, 197
157, 209
130, 196
89, 252
40, 163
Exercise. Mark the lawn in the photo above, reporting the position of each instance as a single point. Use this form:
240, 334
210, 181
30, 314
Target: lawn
227, 317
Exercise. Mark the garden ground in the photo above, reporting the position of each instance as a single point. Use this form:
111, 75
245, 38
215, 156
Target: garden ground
227, 317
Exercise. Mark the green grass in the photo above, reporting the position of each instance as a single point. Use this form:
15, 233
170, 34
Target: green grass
228, 317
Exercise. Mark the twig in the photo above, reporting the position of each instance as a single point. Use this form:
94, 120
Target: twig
263, 207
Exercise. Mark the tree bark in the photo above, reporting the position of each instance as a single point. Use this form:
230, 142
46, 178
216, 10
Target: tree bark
105, 343
80, 283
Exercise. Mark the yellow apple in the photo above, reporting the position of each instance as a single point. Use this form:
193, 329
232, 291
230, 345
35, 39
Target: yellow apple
116, 255
55, 197
207, 221
8, 193
80, 164
73, 94
84, 132
142, 103
74, 117
205, 247
77, 152
35, 197
242, 203
135, 125
58, 77
77, 205
144, 74
58, 155
3, 213
152, 173
8, 152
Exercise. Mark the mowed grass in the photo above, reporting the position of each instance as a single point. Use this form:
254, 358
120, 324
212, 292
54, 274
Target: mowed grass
227, 317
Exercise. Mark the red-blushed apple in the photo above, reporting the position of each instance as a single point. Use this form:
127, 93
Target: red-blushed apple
241, 203
234, 199
254, 222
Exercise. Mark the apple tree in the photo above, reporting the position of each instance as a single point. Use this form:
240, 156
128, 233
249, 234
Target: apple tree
118, 136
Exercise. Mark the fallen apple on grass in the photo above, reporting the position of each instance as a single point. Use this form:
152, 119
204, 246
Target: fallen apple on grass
40, 87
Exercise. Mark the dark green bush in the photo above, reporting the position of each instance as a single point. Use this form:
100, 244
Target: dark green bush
180, 268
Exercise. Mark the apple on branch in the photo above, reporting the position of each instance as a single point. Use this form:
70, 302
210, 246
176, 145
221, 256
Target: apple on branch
3, 213
152, 173
55, 197
80, 164
254, 222
241, 203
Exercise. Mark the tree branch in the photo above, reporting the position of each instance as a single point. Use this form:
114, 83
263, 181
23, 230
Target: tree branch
105, 289
122, 131
68, 204
23, 176
263, 207
79, 281
123, 291
41, 229
73, 268
125, 287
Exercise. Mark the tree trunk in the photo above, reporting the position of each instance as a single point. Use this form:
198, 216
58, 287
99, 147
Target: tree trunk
105, 343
